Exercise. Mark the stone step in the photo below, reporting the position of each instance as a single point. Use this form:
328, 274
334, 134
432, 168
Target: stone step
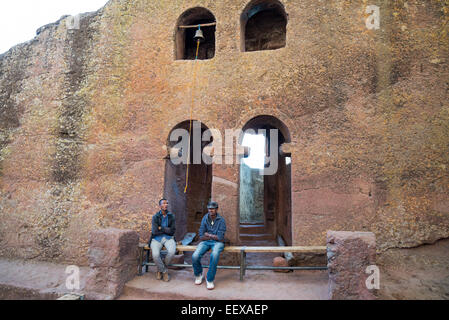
258, 285
259, 243
252, 228
262, 236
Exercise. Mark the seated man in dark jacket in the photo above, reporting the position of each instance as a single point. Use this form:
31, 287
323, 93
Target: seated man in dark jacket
212, 232
162, 235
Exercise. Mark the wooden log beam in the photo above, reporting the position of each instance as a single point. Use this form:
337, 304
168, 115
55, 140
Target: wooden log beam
196, 26
299, 249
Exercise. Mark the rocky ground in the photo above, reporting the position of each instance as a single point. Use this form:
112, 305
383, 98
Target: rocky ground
416, 273
30, 280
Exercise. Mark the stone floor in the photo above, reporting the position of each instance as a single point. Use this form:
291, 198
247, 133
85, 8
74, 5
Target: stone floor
257, 285
416, 273
32, 280
420, 273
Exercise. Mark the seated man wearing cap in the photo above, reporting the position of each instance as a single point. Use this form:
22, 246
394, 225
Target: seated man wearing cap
212, 231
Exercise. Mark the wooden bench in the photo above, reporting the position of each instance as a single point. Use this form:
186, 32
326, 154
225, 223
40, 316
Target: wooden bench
242, 250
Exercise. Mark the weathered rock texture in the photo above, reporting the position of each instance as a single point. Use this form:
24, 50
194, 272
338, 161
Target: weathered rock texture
349, 254
113, 259
84, 115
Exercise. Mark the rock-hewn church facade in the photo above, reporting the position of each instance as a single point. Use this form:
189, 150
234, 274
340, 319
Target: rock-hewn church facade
86, 112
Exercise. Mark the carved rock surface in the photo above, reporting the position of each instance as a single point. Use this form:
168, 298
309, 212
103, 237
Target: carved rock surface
85, 113
349, 255
113, 258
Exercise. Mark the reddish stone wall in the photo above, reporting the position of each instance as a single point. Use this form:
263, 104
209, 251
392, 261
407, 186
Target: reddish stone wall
85, 114
350, 255
113, 260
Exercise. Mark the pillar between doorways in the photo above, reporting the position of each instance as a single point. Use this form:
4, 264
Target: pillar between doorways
225, 191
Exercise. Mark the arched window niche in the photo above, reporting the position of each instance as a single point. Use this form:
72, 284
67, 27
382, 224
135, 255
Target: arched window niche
263, 26
185, 45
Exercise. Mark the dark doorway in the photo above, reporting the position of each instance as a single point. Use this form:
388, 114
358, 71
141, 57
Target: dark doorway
184, 42
189, 207
265, 200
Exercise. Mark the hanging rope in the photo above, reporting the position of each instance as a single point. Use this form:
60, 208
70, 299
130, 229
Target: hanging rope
191, 110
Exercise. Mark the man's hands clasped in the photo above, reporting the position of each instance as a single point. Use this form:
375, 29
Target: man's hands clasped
208, 236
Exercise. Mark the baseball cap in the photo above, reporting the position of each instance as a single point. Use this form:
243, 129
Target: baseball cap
212, 205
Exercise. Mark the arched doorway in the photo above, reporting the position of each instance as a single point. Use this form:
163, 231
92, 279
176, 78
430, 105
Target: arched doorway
265, 199
190, 206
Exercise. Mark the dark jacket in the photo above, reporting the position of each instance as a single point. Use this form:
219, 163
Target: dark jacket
156, 222
218, 229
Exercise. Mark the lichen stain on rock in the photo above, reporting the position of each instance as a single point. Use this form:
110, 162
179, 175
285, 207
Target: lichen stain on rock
12, 71
69, 142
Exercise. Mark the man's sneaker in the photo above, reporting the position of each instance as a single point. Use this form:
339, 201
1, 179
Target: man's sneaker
199, 279
210, 285
166, 277
158, 275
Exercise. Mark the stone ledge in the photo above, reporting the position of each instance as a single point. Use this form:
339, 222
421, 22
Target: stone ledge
35, 280
113, 258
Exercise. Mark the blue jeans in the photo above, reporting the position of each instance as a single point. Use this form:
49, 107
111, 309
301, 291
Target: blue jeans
204, 246
156, 248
